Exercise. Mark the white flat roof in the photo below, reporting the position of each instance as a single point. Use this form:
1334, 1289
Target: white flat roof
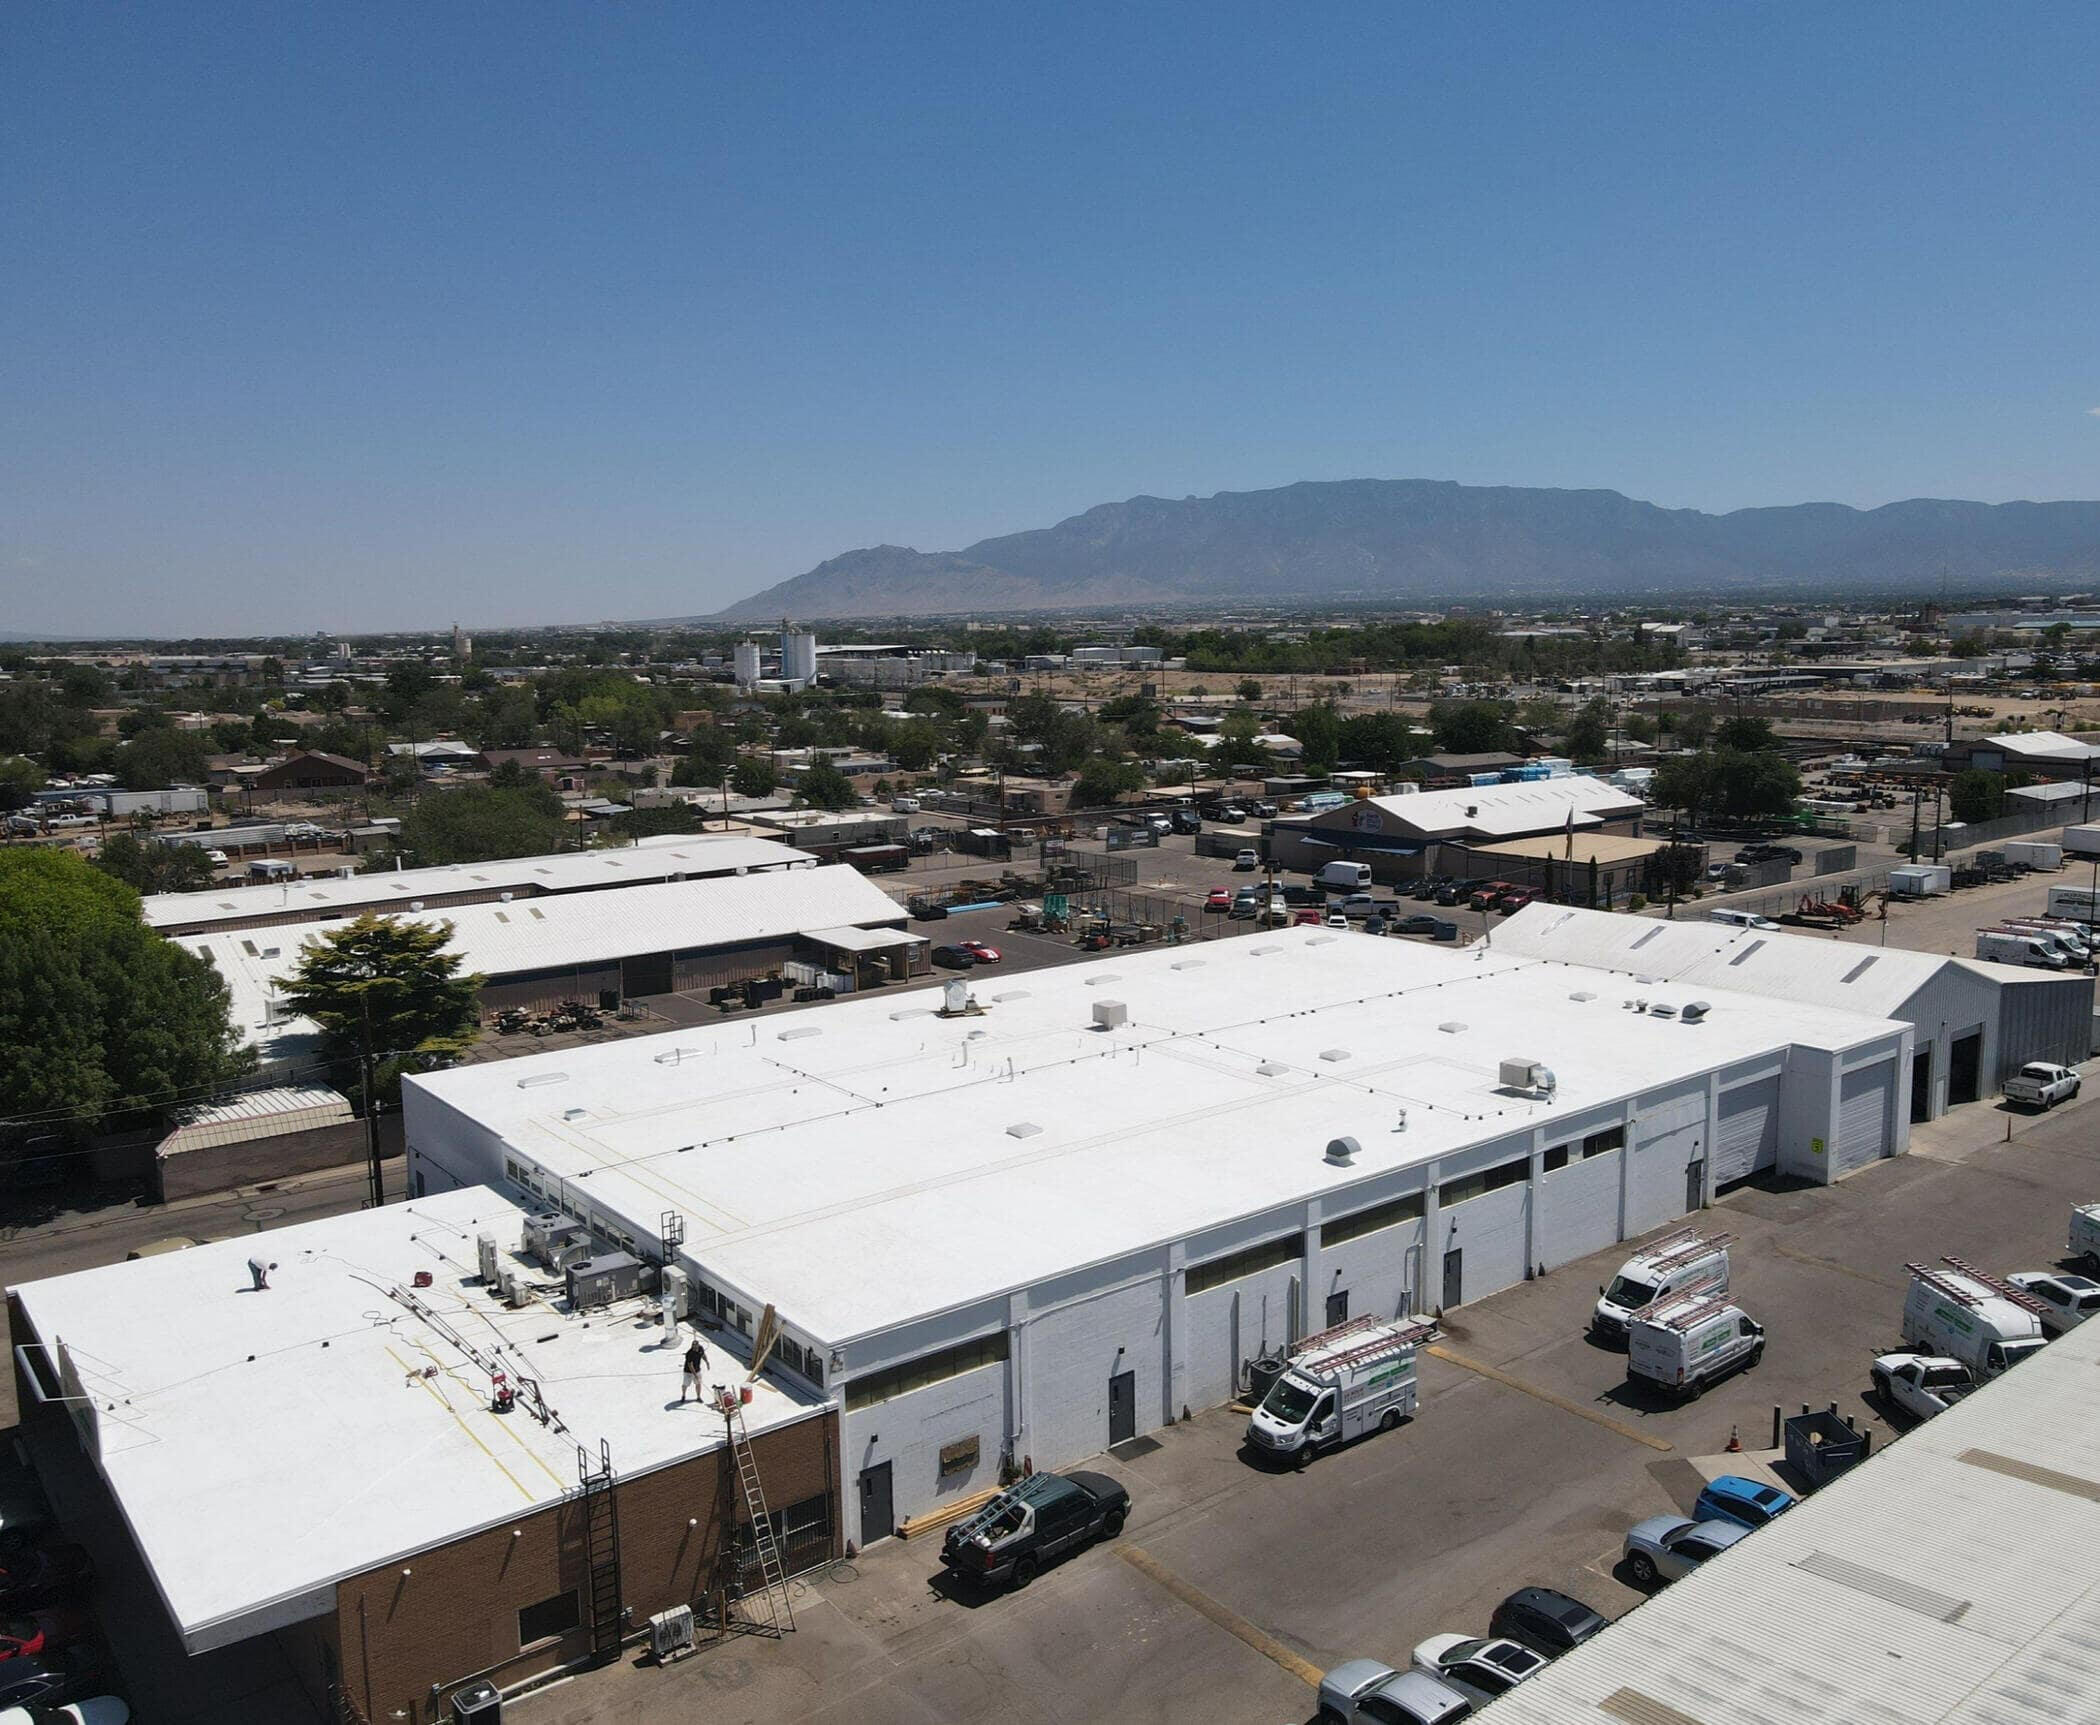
866, 939
870, 1162
1498, 811
564, 872
2041, 746
265, 1445
1951, 1579
575, 930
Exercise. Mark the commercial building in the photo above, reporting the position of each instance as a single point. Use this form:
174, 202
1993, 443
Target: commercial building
1953, 1578
330, 898
1399, 836
671, 937
2046, 754
1975, 1023
1023, 1224
315, 1463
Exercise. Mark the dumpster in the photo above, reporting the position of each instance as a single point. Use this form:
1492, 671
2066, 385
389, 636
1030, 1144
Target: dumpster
1820, 1445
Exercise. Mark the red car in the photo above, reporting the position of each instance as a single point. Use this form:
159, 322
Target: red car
43, 1631
1220, 899
1309, 918
979, 951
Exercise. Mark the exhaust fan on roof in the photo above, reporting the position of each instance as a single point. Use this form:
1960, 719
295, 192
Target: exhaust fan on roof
1341, 1152
1694, 1010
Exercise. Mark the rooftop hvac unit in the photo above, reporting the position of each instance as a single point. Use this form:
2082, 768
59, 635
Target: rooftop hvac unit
477, 1704
1110, 1015
671, 1634
538, 1229
485, 1256
568, 1248
674, 1295
1520, 1074
602, 1280
511, 1285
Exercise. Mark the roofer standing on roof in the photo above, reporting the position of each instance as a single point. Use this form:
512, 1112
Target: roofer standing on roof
695, 1366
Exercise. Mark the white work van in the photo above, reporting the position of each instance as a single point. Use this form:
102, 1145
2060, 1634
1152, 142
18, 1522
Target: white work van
1340, 1384
2009, 946
1740, 919
1674, 1263
1988, 1325
1683, 1342
1343, 876
2085, 1234
2063, 940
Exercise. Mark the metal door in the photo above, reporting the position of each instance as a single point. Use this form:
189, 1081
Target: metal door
1921, 1085
1694, 1186
1122, 1407
1863, 1113
1338, 1308
877, 1518
1454, 1277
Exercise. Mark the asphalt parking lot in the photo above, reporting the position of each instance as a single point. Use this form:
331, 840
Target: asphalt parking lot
1233, 1586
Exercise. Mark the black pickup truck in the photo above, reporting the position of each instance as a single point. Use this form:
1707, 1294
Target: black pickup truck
1033, 1523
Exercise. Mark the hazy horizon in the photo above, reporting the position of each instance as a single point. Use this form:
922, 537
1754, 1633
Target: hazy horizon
373, 320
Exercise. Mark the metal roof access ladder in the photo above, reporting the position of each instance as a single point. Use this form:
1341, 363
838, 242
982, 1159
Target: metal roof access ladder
772, 1596
606, 1616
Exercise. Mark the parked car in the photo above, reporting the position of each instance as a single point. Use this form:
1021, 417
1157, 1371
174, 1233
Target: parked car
1219, 900
1479, 1668
1246, 862
2039, 1084
978, 950
954, 958
1263, 808
1666, 1547
1335, 919
217, 859
2070, 1299
1746, 1502
1306, 918
1922, 1385
44, 1682
1365, 1692
1046, 1515
1545, 1621
1420, 922
33, 1577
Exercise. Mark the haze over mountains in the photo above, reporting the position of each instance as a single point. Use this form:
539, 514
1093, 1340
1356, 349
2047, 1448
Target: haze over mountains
1371, 540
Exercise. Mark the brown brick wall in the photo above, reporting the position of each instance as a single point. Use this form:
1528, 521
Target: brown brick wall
455, 1615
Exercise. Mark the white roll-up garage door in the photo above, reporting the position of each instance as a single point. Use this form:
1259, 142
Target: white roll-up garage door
1865, 1103
1748, 1138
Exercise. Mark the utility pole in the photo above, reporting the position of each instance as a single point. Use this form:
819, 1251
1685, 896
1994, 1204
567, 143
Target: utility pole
1916, 793
364, 1009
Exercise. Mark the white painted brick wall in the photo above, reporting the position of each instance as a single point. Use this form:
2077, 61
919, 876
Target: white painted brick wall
1071, 1356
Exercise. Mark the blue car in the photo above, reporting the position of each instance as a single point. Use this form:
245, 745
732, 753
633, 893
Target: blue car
1742, 1501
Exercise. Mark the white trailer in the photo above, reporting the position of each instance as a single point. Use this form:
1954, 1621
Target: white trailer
1340, 1384
1920, 880
2073, 903
2083, 841
2035, 853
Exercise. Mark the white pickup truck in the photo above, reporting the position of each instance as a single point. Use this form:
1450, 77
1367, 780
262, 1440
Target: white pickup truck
1921, 1384
2038, 1084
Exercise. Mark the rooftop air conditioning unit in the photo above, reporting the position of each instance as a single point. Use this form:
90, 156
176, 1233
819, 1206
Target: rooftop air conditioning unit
1520, 1074
485, 1256
511, 1285
602, 1280
671, 1634
1110, 1015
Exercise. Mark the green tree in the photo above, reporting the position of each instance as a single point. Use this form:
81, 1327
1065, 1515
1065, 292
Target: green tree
148, 866
1685, 783
157, 758
1976, 795
1751, 784
1472, 727
1588, 735
1691, 727
20, 780
1248, 689
392, 981
100, 1018
1745, 733
753, 776
1102, 782
823, 786
1319, 728
1378, 742
480, 823
709, 753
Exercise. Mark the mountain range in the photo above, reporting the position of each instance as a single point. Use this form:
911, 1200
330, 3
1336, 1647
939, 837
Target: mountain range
1365, 541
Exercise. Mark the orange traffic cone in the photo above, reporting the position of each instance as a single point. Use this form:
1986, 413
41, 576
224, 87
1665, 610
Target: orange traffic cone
1735, 1444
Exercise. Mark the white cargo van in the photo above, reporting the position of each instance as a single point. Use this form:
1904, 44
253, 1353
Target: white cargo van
1674, 1263
2051, 935
1988, 1325
904, 805
1343, 876
1338, 1385
2085, 1234
2013, 946
1683, 1342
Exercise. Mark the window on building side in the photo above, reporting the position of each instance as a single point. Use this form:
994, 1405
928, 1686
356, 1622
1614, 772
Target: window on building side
549, 1618
1601, 1143
1358, 1223
1199, 1278
931, 1368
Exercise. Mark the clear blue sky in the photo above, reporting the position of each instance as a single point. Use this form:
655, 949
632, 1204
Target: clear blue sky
368, 316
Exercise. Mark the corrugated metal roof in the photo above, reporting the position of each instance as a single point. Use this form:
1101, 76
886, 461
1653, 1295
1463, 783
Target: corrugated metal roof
259, 1114
1953, 1579
1499, 811
563, 872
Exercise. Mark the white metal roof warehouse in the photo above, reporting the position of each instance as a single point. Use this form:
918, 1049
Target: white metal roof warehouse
1952, 1579
1062, 1217
322, 897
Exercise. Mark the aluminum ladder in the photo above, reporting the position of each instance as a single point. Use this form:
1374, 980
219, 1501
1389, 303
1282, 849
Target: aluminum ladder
772, 1596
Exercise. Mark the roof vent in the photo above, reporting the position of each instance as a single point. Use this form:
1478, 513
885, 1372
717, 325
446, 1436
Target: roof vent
1110, 1015
1662, 1009
1262, 951
1341, 1152
1188, 964
798, 1033
1334, 1054
1451, 1027
1010, 994
1582, 994
1023, 1129
1097, 981
539, 1078
1272, 1069
1694, 1010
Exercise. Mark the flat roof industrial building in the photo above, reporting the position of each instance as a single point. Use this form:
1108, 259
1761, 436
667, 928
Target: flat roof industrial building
322, 898
1065, 1214
322, 1460
1951, 1579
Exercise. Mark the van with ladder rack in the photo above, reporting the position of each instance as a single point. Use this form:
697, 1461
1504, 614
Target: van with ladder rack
1963, 1314
1338, 1385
